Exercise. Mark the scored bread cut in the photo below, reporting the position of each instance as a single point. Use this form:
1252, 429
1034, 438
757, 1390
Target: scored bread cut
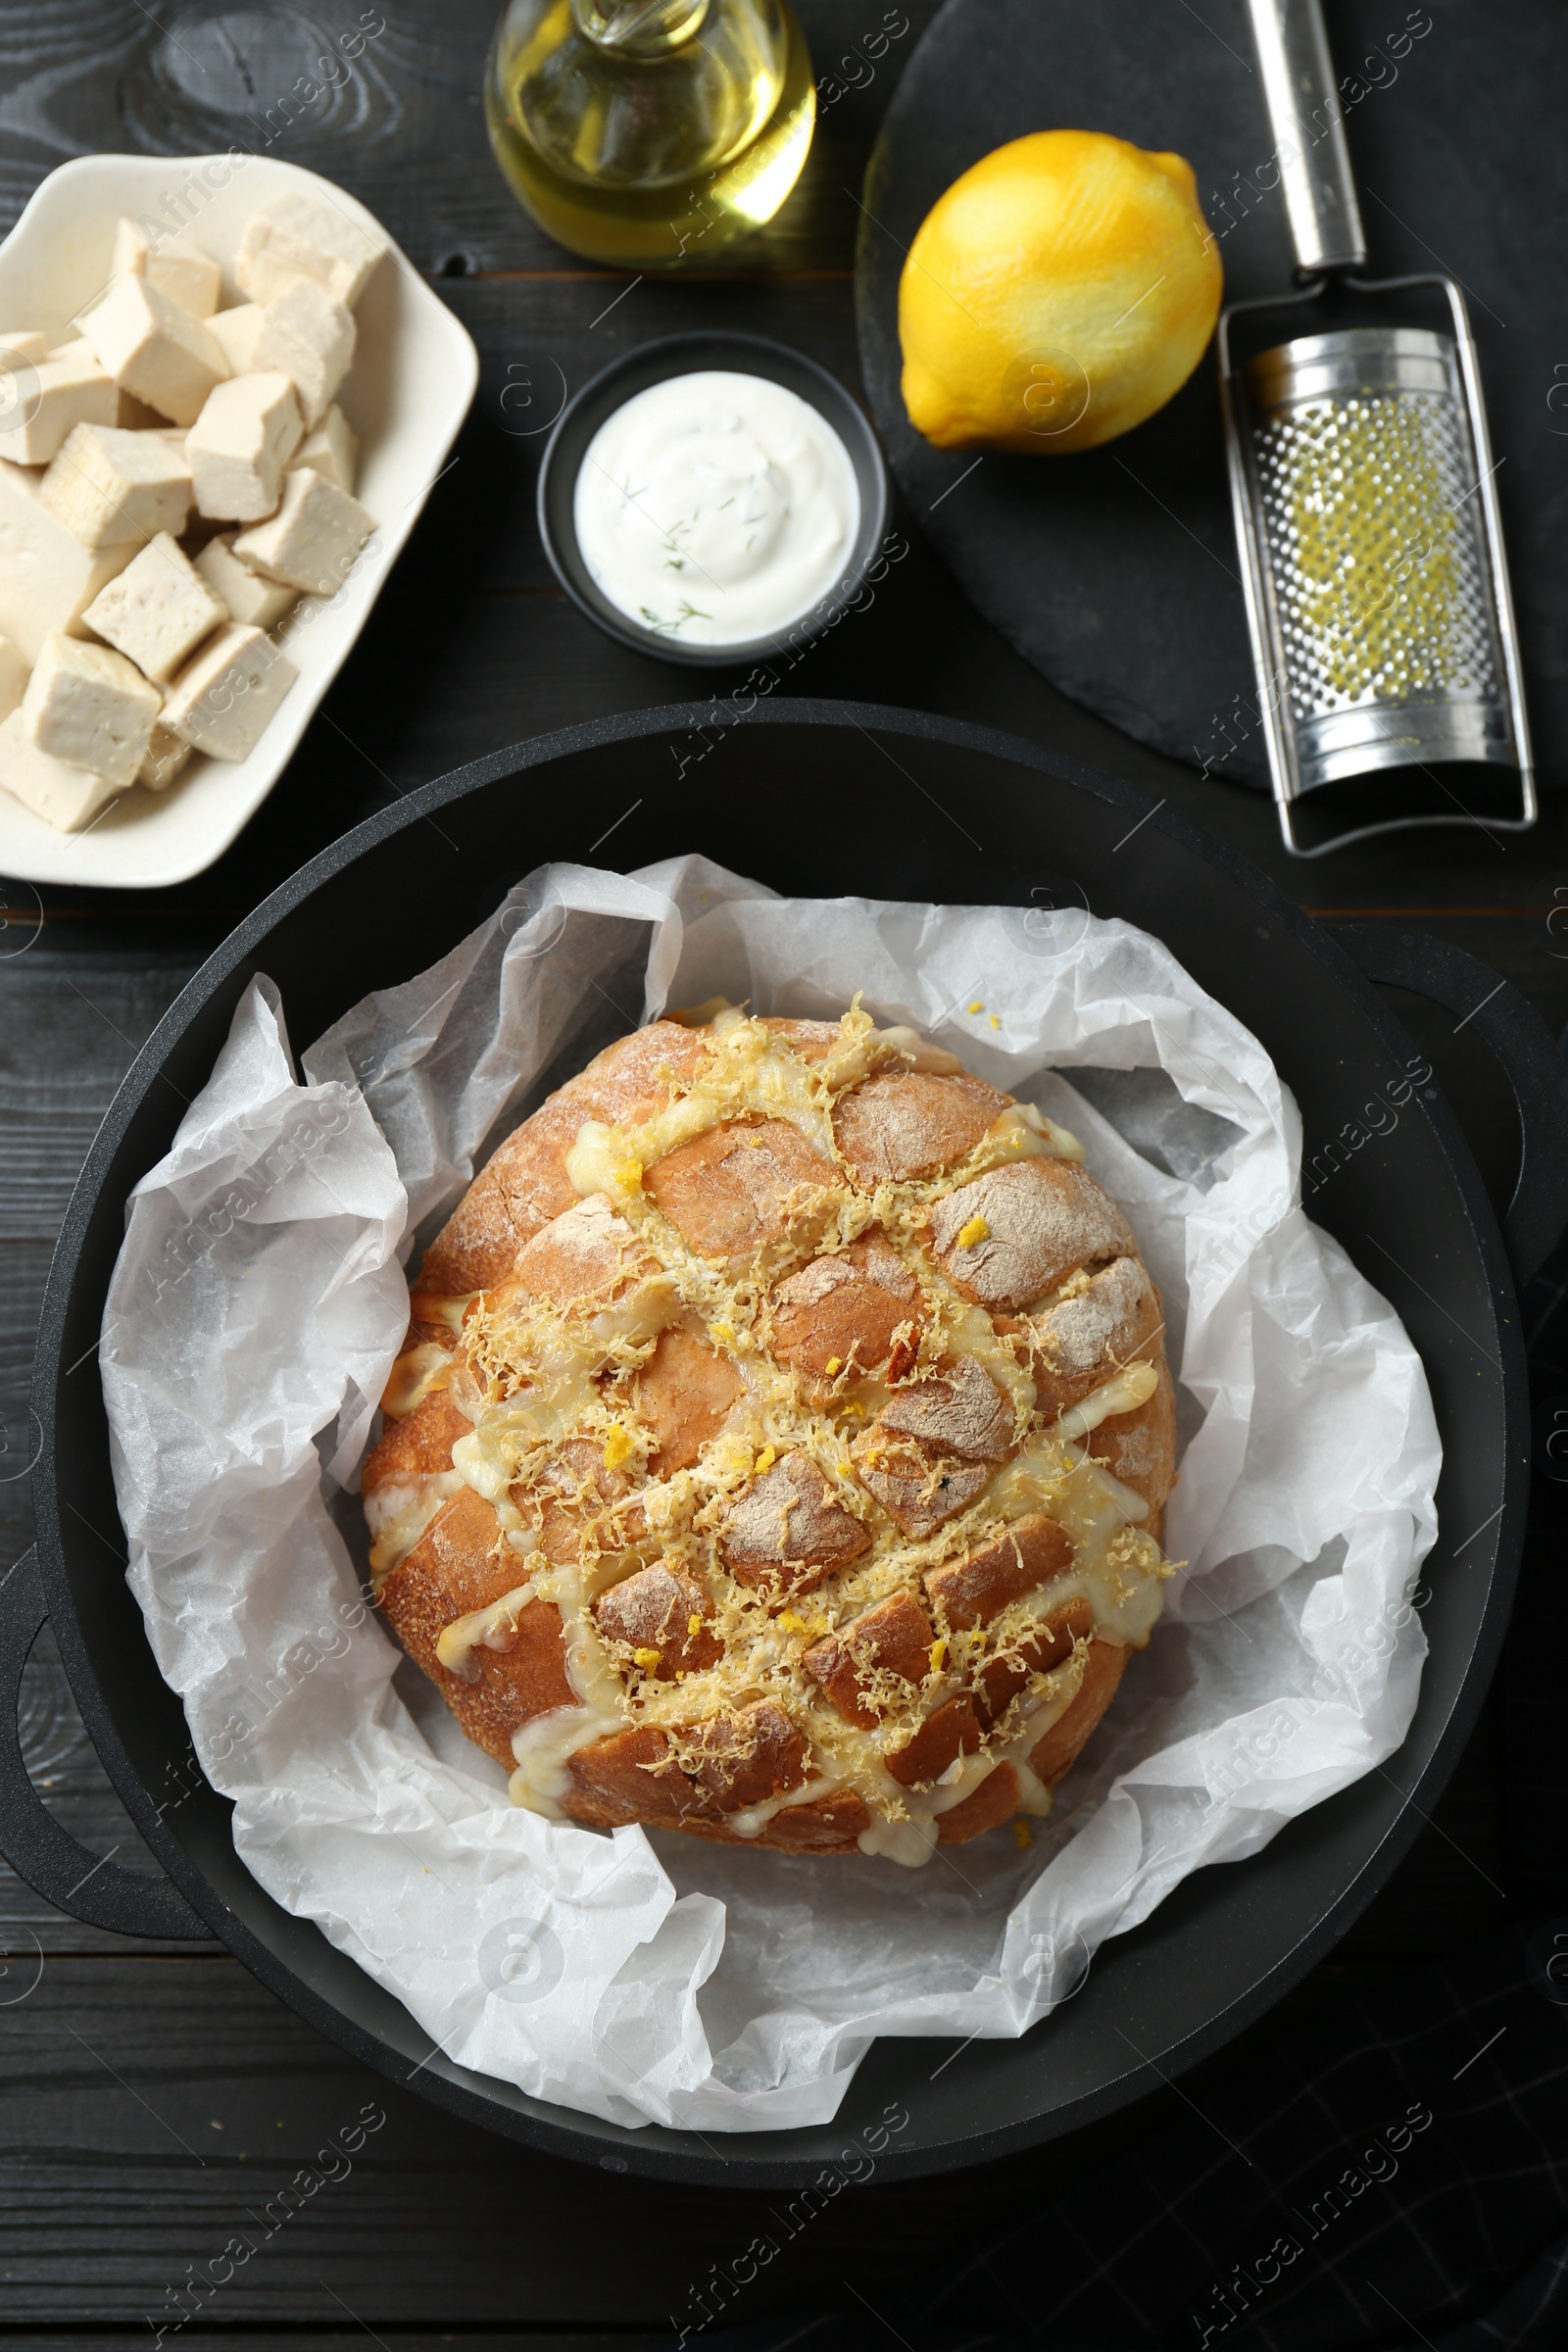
780, 1444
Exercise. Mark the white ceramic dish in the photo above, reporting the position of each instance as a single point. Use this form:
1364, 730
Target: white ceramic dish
413, 378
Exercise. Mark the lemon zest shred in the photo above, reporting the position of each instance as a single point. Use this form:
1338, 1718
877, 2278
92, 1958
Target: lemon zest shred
690, 1506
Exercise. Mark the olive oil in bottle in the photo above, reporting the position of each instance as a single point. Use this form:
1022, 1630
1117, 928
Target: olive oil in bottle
650, 133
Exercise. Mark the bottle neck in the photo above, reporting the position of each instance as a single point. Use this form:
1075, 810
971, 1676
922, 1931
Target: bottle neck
641, 29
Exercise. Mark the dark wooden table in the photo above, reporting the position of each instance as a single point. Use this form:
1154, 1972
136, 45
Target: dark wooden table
150, 2098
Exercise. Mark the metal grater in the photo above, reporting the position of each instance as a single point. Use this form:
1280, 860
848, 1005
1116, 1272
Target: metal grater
1361, 477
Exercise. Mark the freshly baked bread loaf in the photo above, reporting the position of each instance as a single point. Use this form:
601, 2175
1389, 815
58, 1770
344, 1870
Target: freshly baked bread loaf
780, 1444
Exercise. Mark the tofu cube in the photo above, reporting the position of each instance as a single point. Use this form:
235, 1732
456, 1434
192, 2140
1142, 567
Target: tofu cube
23, 344
159, 609
297, 235
47, 577
43, 401
238, 446
167, 755
220, 703
310, 335
253, 602
333, 448
12, 676
312, 539
153, 349
65, 797
236, 332
176, 266
91, 706
133, 415
106, 486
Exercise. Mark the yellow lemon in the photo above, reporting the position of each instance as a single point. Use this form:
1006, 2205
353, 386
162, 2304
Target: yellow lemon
1058, 294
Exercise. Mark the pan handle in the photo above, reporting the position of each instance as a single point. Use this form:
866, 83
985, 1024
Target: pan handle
53, 1863
1515, 1033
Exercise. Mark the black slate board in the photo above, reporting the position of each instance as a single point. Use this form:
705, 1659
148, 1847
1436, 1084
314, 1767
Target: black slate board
1114, 571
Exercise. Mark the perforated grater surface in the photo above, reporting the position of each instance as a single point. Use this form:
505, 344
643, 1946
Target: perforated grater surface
1376, 582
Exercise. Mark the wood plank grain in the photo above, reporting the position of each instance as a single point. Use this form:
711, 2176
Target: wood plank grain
155, 2113
68, 1034
330, 2337
24, 1270
69, 1029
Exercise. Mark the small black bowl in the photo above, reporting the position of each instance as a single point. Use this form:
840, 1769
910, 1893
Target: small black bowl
655, 364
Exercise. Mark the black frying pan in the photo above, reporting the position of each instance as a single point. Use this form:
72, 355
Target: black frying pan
825, 799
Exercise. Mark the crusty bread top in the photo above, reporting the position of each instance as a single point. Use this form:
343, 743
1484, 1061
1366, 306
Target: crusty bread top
813, 1398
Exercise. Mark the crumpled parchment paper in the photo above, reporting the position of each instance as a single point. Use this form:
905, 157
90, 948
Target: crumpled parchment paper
257, 1306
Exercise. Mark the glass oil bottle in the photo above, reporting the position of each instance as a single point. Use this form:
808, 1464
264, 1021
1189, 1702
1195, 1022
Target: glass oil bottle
650, 134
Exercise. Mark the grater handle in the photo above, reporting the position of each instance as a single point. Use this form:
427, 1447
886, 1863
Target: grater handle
1307, 125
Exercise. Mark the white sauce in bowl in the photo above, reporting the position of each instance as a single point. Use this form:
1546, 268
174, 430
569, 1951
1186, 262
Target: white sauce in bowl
715, 507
